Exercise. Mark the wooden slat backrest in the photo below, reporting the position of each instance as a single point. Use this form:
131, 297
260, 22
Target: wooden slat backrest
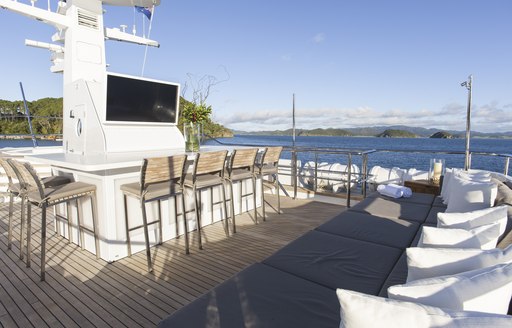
160, 169
30, 180
243, 158
210, 162
272, 155
8, 170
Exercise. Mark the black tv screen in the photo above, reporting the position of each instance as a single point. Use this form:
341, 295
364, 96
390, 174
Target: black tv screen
131, 99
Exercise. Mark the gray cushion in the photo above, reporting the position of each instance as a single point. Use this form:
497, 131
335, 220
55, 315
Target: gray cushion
261, 296
418, 198
336, 262
397, 276
432, 215
55, 180
438, 202
392, 209
63, 192
154, 191
240, 174
204, 180
266, 169
384, 231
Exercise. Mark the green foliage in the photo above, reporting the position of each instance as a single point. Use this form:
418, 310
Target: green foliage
196, 113
46, 116
210, 128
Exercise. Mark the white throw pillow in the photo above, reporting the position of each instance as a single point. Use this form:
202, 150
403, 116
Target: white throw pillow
473, 219
446, 185
478, 176
434, 262
483, 290
484, 237
360, 310
469, 195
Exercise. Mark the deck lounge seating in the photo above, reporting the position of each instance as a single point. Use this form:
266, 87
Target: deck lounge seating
361, 249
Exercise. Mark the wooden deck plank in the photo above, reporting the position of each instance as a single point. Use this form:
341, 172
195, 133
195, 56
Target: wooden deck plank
81, 291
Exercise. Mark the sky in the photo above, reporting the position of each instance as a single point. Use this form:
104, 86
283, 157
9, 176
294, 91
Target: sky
350, 63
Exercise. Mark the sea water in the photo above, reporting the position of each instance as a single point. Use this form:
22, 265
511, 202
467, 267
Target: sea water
383, 157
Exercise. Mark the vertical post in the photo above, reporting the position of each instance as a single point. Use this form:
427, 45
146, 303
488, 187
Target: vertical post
349, 178
294, 172
469, 86
294, 153
507, 162
293, 121
316, 172
364, 174
27, 112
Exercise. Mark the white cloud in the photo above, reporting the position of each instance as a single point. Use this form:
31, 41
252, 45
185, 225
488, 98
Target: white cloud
319, 38
485, 118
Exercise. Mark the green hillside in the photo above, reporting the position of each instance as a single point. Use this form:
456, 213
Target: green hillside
47, 118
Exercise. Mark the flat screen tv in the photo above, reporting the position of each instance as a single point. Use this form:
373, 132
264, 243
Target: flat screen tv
137, 100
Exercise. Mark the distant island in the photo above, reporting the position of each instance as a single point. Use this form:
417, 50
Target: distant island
391, 133
396, 131
442, 135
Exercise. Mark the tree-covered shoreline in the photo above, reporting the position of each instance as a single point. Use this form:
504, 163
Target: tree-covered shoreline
46, 115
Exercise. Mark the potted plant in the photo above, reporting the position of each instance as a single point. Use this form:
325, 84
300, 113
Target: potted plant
194, 115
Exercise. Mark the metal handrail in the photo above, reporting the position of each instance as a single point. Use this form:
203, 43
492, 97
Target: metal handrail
364, 154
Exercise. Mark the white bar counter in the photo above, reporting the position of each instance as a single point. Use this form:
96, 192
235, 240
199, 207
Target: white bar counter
108, 172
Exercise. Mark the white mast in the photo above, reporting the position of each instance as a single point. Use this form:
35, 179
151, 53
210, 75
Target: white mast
78, 51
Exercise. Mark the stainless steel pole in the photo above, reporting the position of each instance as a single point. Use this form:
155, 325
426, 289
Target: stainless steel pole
469, 85
27, 113
293, 120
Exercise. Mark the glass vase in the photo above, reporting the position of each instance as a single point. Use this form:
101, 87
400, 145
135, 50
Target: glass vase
437, 169
192, 135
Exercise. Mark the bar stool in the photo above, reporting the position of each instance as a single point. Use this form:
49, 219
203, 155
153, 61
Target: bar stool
42, 197
14, 190
208, 172
19, 189
268, 166
240, 168
160, 178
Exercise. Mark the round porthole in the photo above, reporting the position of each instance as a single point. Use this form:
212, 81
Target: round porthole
79, 127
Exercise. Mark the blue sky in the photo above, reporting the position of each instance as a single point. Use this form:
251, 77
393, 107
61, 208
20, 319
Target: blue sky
350, 63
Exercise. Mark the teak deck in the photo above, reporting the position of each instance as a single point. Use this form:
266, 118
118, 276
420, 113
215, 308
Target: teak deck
81, 291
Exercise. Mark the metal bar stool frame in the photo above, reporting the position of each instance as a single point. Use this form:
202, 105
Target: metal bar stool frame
160, 178
241, 167
207, 166
15, 169
43, 198
14, 190
268, 166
